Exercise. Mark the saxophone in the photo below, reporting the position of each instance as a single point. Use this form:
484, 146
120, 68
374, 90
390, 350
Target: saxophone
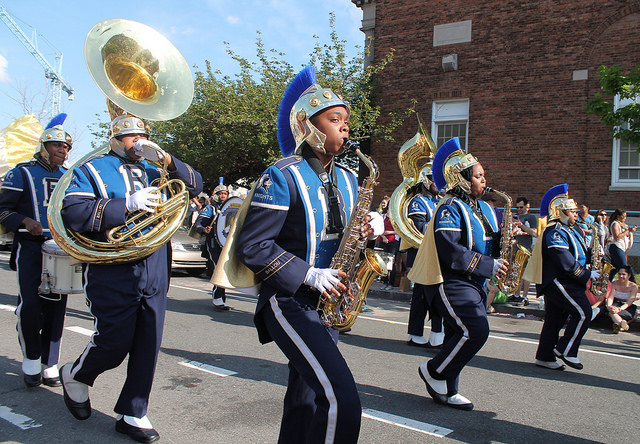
600, 286
515, 254
340, 312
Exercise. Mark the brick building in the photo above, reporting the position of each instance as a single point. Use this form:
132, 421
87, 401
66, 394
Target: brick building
511, 78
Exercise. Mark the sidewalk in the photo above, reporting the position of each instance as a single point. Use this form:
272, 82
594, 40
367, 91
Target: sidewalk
535, 307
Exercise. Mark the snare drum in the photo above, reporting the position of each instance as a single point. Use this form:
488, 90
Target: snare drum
58, 275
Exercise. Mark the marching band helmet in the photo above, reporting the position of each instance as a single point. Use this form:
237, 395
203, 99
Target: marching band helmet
555, 202
449, 161
53, 132
303, 99
425, 176
125, 125
220, 187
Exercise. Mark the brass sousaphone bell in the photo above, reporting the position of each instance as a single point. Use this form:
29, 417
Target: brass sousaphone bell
144, 75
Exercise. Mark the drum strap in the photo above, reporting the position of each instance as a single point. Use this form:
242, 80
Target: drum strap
330, 185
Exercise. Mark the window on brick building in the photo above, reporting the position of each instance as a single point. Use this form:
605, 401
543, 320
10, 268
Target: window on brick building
450, 119
626, 160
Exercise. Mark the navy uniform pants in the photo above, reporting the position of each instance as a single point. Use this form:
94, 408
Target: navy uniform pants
418, 312
562, 303
466, 329
322, 403
128, 302
214, 254
40, 320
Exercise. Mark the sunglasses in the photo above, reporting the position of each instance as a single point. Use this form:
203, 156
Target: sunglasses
603, 214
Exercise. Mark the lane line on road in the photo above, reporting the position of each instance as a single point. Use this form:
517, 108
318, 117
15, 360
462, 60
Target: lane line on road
18, 420
81, 330
388, 321
208, 368
406, 423
7, 307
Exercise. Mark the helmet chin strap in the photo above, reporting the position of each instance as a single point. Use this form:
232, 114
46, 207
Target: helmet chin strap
117, 146
316, 139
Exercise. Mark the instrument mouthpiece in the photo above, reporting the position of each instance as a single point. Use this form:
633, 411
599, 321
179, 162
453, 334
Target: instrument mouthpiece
352, 145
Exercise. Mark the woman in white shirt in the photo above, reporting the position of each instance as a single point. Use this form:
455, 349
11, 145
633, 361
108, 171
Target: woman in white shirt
621, 240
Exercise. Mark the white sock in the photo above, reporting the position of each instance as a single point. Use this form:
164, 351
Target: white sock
142, 423
31, 366
77, 391
218, 301
50, 372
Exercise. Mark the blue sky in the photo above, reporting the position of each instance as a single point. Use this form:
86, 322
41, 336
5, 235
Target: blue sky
198, 29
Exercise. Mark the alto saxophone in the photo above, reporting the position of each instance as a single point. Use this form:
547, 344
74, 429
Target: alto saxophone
515, 254
340, 312
600, 286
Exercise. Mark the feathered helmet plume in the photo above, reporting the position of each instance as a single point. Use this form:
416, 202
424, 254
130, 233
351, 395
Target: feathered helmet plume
449, 161
302, 99
54, 132
554, 201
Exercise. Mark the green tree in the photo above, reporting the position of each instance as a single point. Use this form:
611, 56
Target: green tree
624, 120
230, 128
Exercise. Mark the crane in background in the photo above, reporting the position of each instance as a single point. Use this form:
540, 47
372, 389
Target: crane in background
58, 84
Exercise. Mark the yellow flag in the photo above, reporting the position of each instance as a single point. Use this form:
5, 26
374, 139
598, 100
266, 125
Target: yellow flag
18, 141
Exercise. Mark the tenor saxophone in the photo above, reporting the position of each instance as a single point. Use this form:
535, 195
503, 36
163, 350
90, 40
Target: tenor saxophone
515, 254
600, 286
340, 312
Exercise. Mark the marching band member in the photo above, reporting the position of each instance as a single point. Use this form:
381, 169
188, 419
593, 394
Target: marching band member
563, 257
127, 300
291, 231
454, 260
420, 211
205, 225
24, 198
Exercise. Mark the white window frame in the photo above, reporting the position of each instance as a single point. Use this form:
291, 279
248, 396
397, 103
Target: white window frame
450, 112
618, 184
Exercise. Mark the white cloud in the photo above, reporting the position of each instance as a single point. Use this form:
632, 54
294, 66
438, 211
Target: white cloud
232, 19
4, 76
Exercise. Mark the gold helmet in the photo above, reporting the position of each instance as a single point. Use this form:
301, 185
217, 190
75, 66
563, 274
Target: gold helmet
555, 202
449, 161
53, 132
303, 99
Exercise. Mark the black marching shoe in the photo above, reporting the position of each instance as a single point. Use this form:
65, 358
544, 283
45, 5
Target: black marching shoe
437, 389
32, 381
79, 410
136, 433
571, 362
52, 382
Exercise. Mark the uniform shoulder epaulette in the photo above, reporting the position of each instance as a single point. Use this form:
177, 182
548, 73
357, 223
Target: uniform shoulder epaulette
287, 161
26, 163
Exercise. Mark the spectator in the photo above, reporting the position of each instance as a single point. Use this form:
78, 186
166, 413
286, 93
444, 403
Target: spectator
527, 225
388, 242
584, 219
621, 240
620, 302
603, 229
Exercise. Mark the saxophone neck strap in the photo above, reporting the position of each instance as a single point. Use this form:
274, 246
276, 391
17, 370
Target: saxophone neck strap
329, 182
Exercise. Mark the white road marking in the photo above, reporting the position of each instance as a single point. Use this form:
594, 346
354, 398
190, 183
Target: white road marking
7, 307
208, 368
406, 423
81, 330
18, 420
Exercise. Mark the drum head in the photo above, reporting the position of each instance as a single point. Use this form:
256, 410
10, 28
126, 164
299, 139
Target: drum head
226, 217
50, 247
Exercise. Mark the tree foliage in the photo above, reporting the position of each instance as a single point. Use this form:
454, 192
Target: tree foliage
624, 120
230, 128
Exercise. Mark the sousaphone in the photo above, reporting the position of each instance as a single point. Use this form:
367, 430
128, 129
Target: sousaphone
144, 75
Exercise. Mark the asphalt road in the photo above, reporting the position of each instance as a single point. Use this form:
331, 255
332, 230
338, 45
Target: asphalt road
216, 384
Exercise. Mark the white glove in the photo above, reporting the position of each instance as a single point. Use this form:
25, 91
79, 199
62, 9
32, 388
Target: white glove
144, 199
377, 223
149, 150
497, 265
595, 274
322, 279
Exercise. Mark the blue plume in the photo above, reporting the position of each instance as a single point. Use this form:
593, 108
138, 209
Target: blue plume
221, 179
550, 195
298, 85
443, 153
57, 120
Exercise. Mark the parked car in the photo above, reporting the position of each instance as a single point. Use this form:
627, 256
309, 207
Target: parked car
186, 253
6, 238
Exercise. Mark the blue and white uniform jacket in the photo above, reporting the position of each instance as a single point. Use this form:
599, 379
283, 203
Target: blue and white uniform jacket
25, 192
464, 247
95, 199
564, 257
420, 211
207, 218
284, 232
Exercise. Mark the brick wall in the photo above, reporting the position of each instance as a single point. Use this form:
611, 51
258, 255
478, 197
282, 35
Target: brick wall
527, 123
